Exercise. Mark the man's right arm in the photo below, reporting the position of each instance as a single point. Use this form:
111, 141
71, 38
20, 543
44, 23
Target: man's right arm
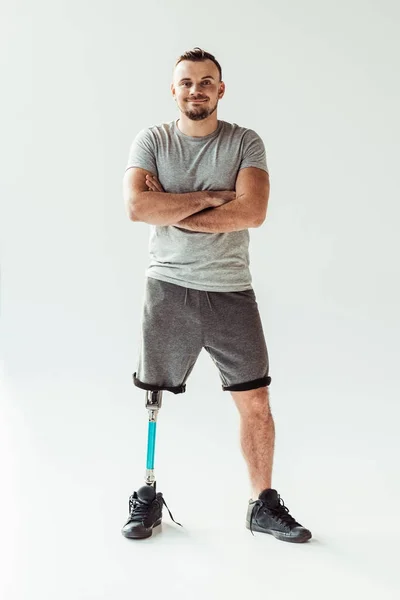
161, 208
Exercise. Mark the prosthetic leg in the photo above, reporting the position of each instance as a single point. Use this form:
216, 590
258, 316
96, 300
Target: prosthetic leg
145, 505
153, 405
147, 493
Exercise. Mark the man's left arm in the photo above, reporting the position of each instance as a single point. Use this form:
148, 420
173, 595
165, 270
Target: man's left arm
248, 209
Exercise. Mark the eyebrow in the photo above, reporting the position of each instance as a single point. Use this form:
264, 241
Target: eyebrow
188, 78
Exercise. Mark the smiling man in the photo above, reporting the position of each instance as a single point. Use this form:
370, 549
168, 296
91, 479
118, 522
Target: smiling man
201, 183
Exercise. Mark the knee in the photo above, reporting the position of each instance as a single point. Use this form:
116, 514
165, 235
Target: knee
260, 408
253, 403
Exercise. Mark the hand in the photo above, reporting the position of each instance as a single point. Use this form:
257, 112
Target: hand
222, 197
153, 183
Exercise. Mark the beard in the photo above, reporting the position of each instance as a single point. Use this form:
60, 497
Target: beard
200, 113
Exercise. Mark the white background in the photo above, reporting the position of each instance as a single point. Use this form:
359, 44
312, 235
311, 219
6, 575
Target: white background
319, 82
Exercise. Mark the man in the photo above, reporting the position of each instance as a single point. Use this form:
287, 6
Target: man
201, 183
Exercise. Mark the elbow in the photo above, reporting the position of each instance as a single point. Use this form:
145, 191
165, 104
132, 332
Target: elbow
261, 213
258, 221
133, 212
133, 216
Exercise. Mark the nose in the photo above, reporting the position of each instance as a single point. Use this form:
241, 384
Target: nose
195, 89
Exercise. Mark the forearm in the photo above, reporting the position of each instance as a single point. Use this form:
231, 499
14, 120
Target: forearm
232, 216
161, 208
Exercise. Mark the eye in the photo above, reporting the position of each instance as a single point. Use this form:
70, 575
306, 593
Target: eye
186, 83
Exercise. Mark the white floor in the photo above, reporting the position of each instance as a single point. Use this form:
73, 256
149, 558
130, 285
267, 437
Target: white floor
73, 451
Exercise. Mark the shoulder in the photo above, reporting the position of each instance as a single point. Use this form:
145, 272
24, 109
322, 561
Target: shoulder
154, 134
244, 133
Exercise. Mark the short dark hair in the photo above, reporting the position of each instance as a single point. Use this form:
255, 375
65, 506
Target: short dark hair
199, 55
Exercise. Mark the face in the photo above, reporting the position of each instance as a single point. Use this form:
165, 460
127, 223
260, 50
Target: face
197, 81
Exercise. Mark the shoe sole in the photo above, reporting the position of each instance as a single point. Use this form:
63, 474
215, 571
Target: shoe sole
141, 536
281, 536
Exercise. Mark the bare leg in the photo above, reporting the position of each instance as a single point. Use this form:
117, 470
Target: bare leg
257, 436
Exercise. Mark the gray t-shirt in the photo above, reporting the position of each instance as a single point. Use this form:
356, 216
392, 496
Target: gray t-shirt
217, 262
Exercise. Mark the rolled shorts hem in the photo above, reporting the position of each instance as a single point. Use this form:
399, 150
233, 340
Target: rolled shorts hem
179, 389
248, 385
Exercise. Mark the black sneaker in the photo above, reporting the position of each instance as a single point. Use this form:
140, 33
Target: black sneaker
269, 514
145, 513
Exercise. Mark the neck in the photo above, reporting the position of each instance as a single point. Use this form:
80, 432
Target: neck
197, 128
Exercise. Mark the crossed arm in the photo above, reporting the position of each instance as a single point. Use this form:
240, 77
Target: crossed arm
248, 209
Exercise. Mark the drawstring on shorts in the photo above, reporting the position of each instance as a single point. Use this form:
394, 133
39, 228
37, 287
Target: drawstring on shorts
208, 298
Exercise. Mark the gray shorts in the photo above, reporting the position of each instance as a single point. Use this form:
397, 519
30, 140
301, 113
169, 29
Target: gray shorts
177, 322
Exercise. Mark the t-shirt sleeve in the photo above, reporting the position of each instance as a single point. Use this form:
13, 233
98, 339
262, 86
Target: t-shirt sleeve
141, 152
254, 154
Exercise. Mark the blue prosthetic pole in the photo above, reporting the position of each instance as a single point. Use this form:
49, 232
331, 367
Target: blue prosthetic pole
153, 405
